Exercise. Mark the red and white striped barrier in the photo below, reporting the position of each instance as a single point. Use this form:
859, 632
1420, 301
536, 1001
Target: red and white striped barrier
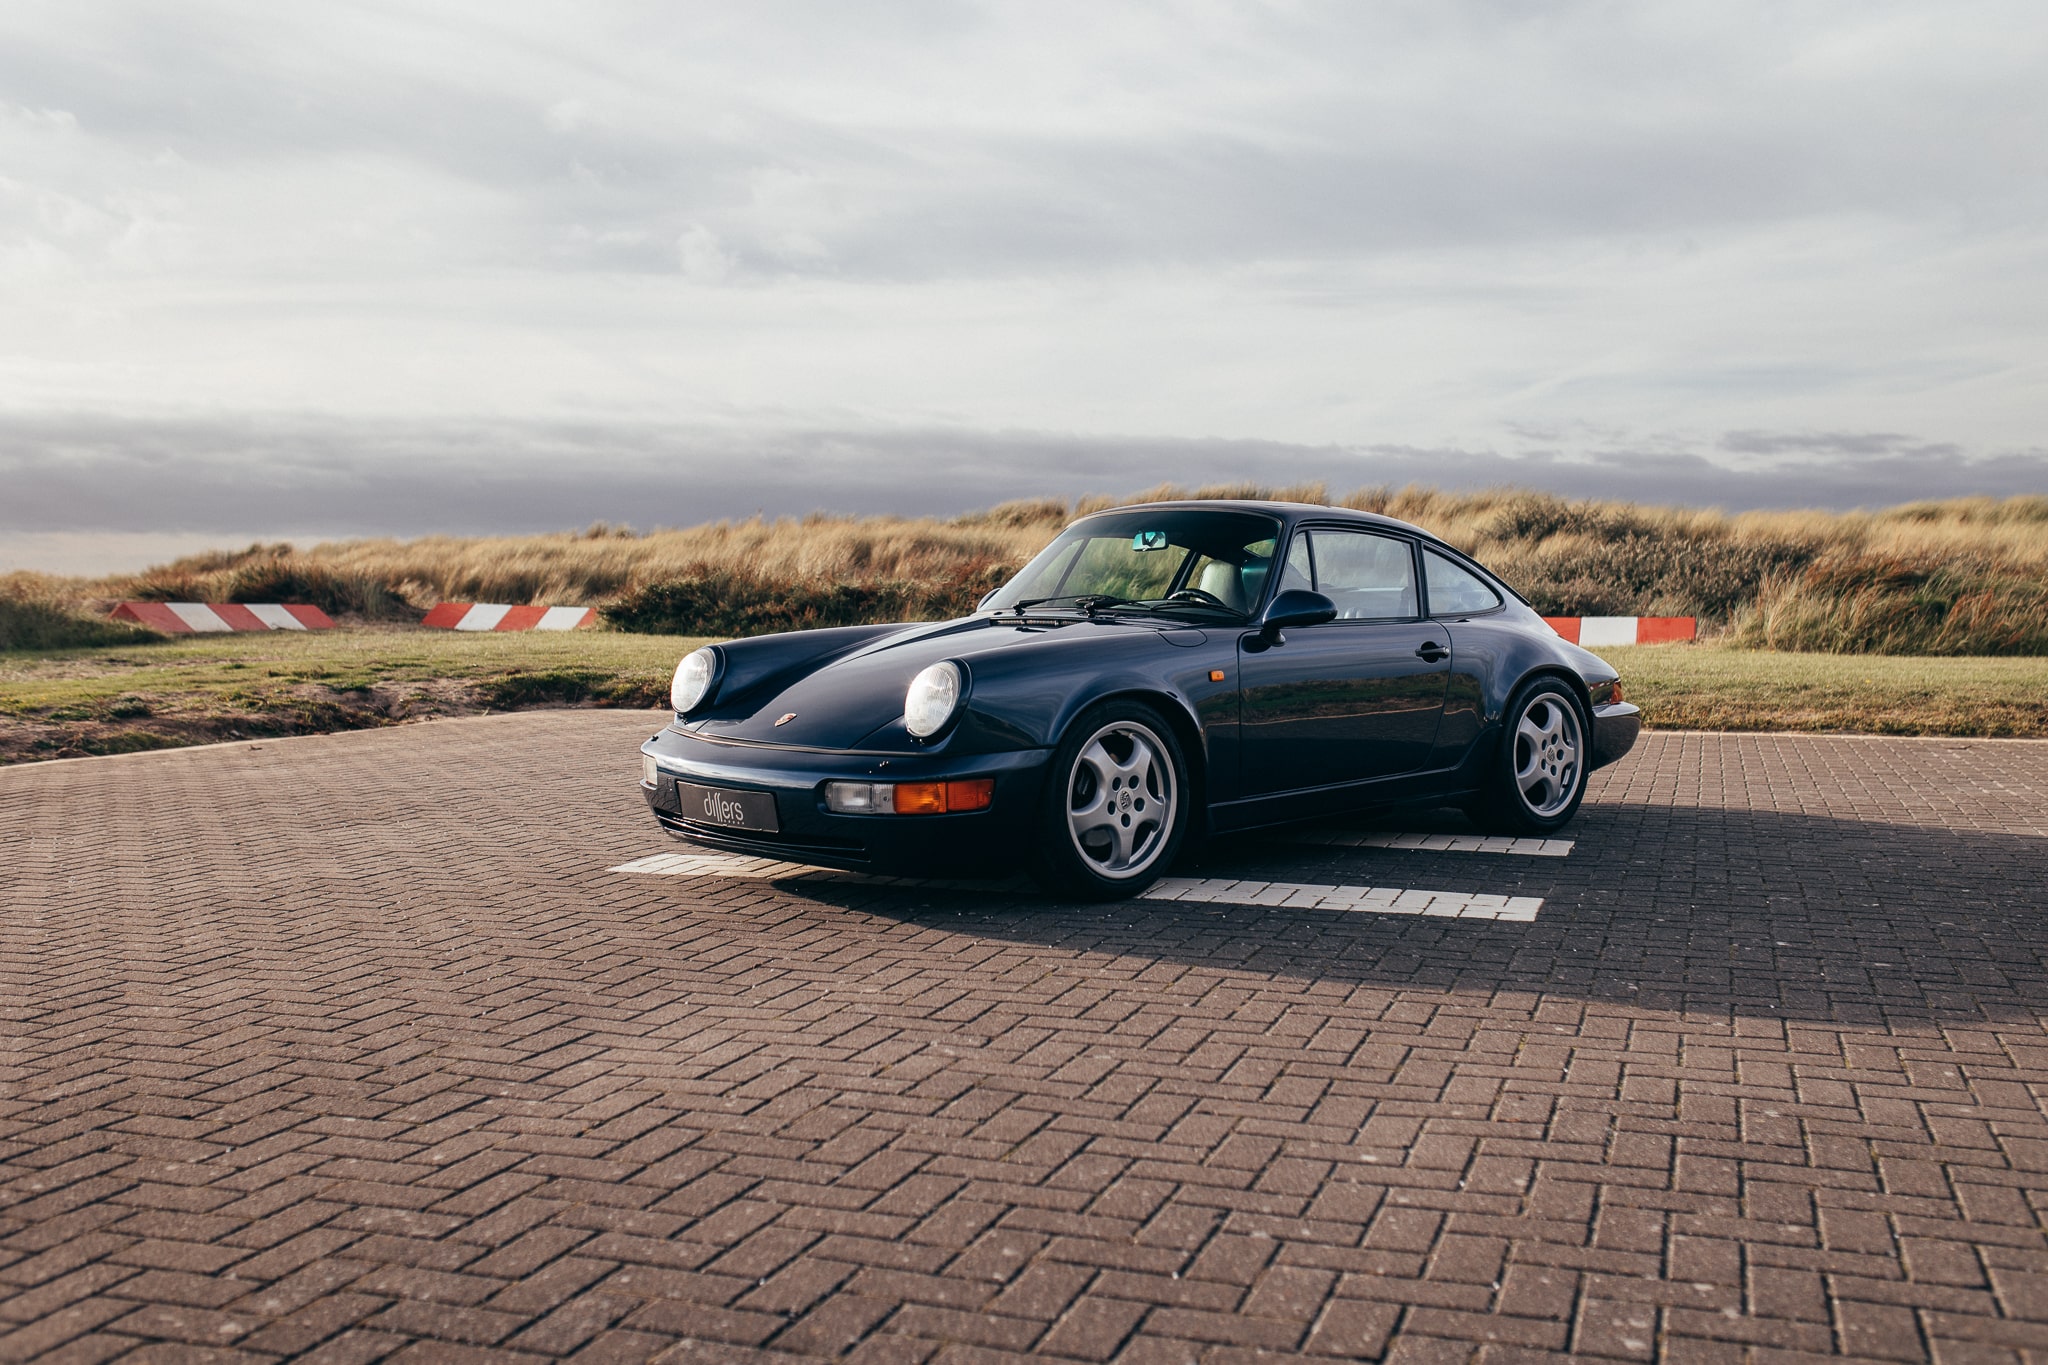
204, 618
1595, 632
487, 616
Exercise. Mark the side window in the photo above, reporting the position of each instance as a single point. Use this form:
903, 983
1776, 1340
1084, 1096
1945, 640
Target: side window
1370, 577
1455, 590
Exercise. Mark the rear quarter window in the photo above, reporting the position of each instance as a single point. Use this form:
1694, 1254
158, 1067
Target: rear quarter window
1455, 590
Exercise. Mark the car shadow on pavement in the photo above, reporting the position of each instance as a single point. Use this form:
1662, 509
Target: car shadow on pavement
1686, 909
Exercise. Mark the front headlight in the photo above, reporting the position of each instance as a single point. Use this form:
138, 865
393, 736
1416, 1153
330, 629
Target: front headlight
933, 697
694, 676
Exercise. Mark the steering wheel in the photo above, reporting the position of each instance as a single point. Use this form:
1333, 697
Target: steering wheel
1198, 595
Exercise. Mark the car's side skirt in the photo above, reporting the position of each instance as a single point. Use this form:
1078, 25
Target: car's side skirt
1436, 785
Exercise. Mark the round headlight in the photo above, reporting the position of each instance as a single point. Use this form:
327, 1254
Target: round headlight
933, 697
693, 679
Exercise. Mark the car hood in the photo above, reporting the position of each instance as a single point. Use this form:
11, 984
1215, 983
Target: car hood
855, 700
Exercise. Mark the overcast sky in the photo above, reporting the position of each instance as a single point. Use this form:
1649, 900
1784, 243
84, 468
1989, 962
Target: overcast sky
364, 268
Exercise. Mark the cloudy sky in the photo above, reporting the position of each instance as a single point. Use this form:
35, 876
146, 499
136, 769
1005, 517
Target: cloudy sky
403, 267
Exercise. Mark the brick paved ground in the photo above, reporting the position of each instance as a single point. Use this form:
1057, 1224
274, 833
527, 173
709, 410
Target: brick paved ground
351, 1047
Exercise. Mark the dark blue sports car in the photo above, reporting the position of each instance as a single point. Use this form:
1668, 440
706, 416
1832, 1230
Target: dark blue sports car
1158, 673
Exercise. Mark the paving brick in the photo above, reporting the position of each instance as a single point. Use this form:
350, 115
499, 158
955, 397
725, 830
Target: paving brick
372, 1080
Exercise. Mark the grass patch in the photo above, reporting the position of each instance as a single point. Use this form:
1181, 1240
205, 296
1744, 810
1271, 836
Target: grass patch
200, 689
206, 688
1706, 687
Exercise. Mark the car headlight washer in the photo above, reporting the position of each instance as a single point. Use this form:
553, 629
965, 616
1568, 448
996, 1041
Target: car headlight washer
695, 677
934, 698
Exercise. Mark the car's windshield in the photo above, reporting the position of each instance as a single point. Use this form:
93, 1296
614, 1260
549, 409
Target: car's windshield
1194, 559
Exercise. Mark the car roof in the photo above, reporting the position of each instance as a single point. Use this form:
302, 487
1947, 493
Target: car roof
1290, 512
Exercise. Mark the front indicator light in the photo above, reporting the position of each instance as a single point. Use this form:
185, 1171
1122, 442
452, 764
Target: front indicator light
910, 798
920, 798
977, 793
650, 771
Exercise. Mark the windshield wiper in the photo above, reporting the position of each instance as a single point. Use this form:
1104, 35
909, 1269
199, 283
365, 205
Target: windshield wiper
1090, 602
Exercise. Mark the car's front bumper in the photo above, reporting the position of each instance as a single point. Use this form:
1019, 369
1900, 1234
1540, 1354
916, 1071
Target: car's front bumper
1615, 727
987, 842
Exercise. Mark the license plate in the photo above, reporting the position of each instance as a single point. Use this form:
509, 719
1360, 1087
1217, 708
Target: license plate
722, 806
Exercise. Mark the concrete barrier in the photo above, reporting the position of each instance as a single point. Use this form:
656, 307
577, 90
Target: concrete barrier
210, 618
1595, 632
492, 616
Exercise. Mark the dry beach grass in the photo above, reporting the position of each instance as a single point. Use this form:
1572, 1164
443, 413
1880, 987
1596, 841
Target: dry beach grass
1961, 577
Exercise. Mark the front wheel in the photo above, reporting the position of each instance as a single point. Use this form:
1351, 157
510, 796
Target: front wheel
1116, 804
1539, 775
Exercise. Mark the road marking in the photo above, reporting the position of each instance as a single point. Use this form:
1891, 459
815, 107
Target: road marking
1382, 900
1437, 843
1379, 900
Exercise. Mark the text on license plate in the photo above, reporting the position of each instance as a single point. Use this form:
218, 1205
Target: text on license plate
722, 806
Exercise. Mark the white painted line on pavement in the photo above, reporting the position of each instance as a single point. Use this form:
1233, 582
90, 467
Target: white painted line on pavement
1437, 843
1379, 900
1382, 900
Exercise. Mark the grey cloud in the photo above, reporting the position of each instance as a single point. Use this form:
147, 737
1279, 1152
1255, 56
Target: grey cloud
79, 473
1846, 443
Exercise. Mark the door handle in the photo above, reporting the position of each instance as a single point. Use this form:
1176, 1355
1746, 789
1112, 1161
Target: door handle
1431, 652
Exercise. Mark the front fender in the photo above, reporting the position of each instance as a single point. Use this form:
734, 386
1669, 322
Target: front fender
1030, 700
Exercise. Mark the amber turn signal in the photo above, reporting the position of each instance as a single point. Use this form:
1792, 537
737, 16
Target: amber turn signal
920, 798
1215, 675
938, 798
976, 793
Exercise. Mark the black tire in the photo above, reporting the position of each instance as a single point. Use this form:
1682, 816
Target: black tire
1126, 845
1537, 776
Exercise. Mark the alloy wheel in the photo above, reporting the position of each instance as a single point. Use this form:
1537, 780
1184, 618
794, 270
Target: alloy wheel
1549, 755
1121, 800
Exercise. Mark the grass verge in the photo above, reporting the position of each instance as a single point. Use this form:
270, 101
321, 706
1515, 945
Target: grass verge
76, 702
198, 690
1703, 687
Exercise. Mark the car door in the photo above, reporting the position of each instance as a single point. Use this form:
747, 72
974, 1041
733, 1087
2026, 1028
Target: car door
1352, 699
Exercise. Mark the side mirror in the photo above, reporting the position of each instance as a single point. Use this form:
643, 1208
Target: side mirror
1295, 607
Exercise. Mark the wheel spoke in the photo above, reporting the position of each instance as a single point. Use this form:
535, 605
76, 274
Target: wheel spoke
1102, 763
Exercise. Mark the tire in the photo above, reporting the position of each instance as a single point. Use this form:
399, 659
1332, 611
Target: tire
1538, 776
1115, 807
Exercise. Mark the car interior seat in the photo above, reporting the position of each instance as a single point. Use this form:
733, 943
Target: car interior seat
1226, 583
